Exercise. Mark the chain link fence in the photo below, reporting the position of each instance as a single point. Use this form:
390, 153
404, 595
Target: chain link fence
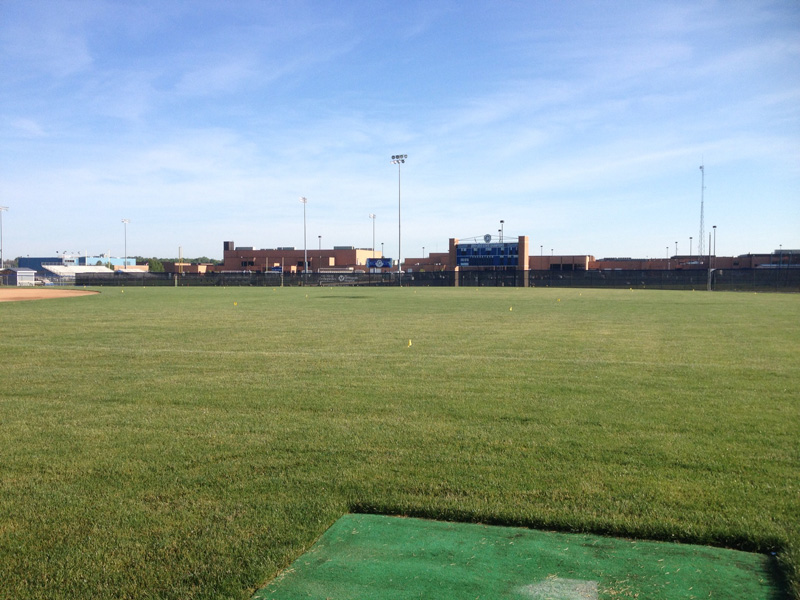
782, 280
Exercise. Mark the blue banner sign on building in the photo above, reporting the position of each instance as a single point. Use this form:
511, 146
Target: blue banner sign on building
488, 255
379, 263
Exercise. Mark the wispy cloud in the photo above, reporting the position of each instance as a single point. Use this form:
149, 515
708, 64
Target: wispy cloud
420, 19
26, 127
46, 38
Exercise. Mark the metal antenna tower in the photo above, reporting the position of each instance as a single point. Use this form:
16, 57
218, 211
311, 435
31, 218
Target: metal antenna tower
702, 197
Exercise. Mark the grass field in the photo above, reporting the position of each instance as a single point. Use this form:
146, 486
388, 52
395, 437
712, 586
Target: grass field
190, 443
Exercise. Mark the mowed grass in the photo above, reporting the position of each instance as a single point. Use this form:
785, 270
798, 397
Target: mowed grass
190, 443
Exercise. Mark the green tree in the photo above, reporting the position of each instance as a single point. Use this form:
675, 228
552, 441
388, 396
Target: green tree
156, 266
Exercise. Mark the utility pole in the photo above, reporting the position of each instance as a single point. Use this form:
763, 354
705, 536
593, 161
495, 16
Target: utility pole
702, 198
2, 264
304, 201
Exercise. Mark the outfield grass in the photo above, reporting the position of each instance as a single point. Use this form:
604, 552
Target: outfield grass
189, 443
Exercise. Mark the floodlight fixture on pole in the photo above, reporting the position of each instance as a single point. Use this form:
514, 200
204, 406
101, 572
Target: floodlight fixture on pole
714, 227
702, 198
125, 222
304, 201
2, 263
399, 159
372, 216
501, 230
690, 245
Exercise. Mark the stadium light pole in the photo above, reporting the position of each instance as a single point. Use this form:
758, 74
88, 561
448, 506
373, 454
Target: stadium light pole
714, 227
2, 260
381, 249
372, 216
304, 201
701, 239
320, 253
690, 245
125, 222
399, 159
502, 227
709, 249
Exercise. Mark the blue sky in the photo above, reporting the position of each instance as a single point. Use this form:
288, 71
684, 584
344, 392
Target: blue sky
580, 124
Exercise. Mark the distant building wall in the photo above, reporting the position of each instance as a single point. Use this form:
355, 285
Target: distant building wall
239, 259
36, 262
291, 259
558, 262
183, 267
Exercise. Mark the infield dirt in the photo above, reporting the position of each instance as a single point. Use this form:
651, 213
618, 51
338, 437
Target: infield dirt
15, 294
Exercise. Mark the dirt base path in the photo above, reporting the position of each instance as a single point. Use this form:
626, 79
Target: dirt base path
14, 294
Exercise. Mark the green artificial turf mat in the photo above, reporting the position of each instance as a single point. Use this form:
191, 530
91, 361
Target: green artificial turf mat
373, 556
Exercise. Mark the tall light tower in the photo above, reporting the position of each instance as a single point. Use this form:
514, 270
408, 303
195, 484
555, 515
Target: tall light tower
702, 198
125, 222
372, 216
502, 227
304, 201
2, 208
715, 242
399, 159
